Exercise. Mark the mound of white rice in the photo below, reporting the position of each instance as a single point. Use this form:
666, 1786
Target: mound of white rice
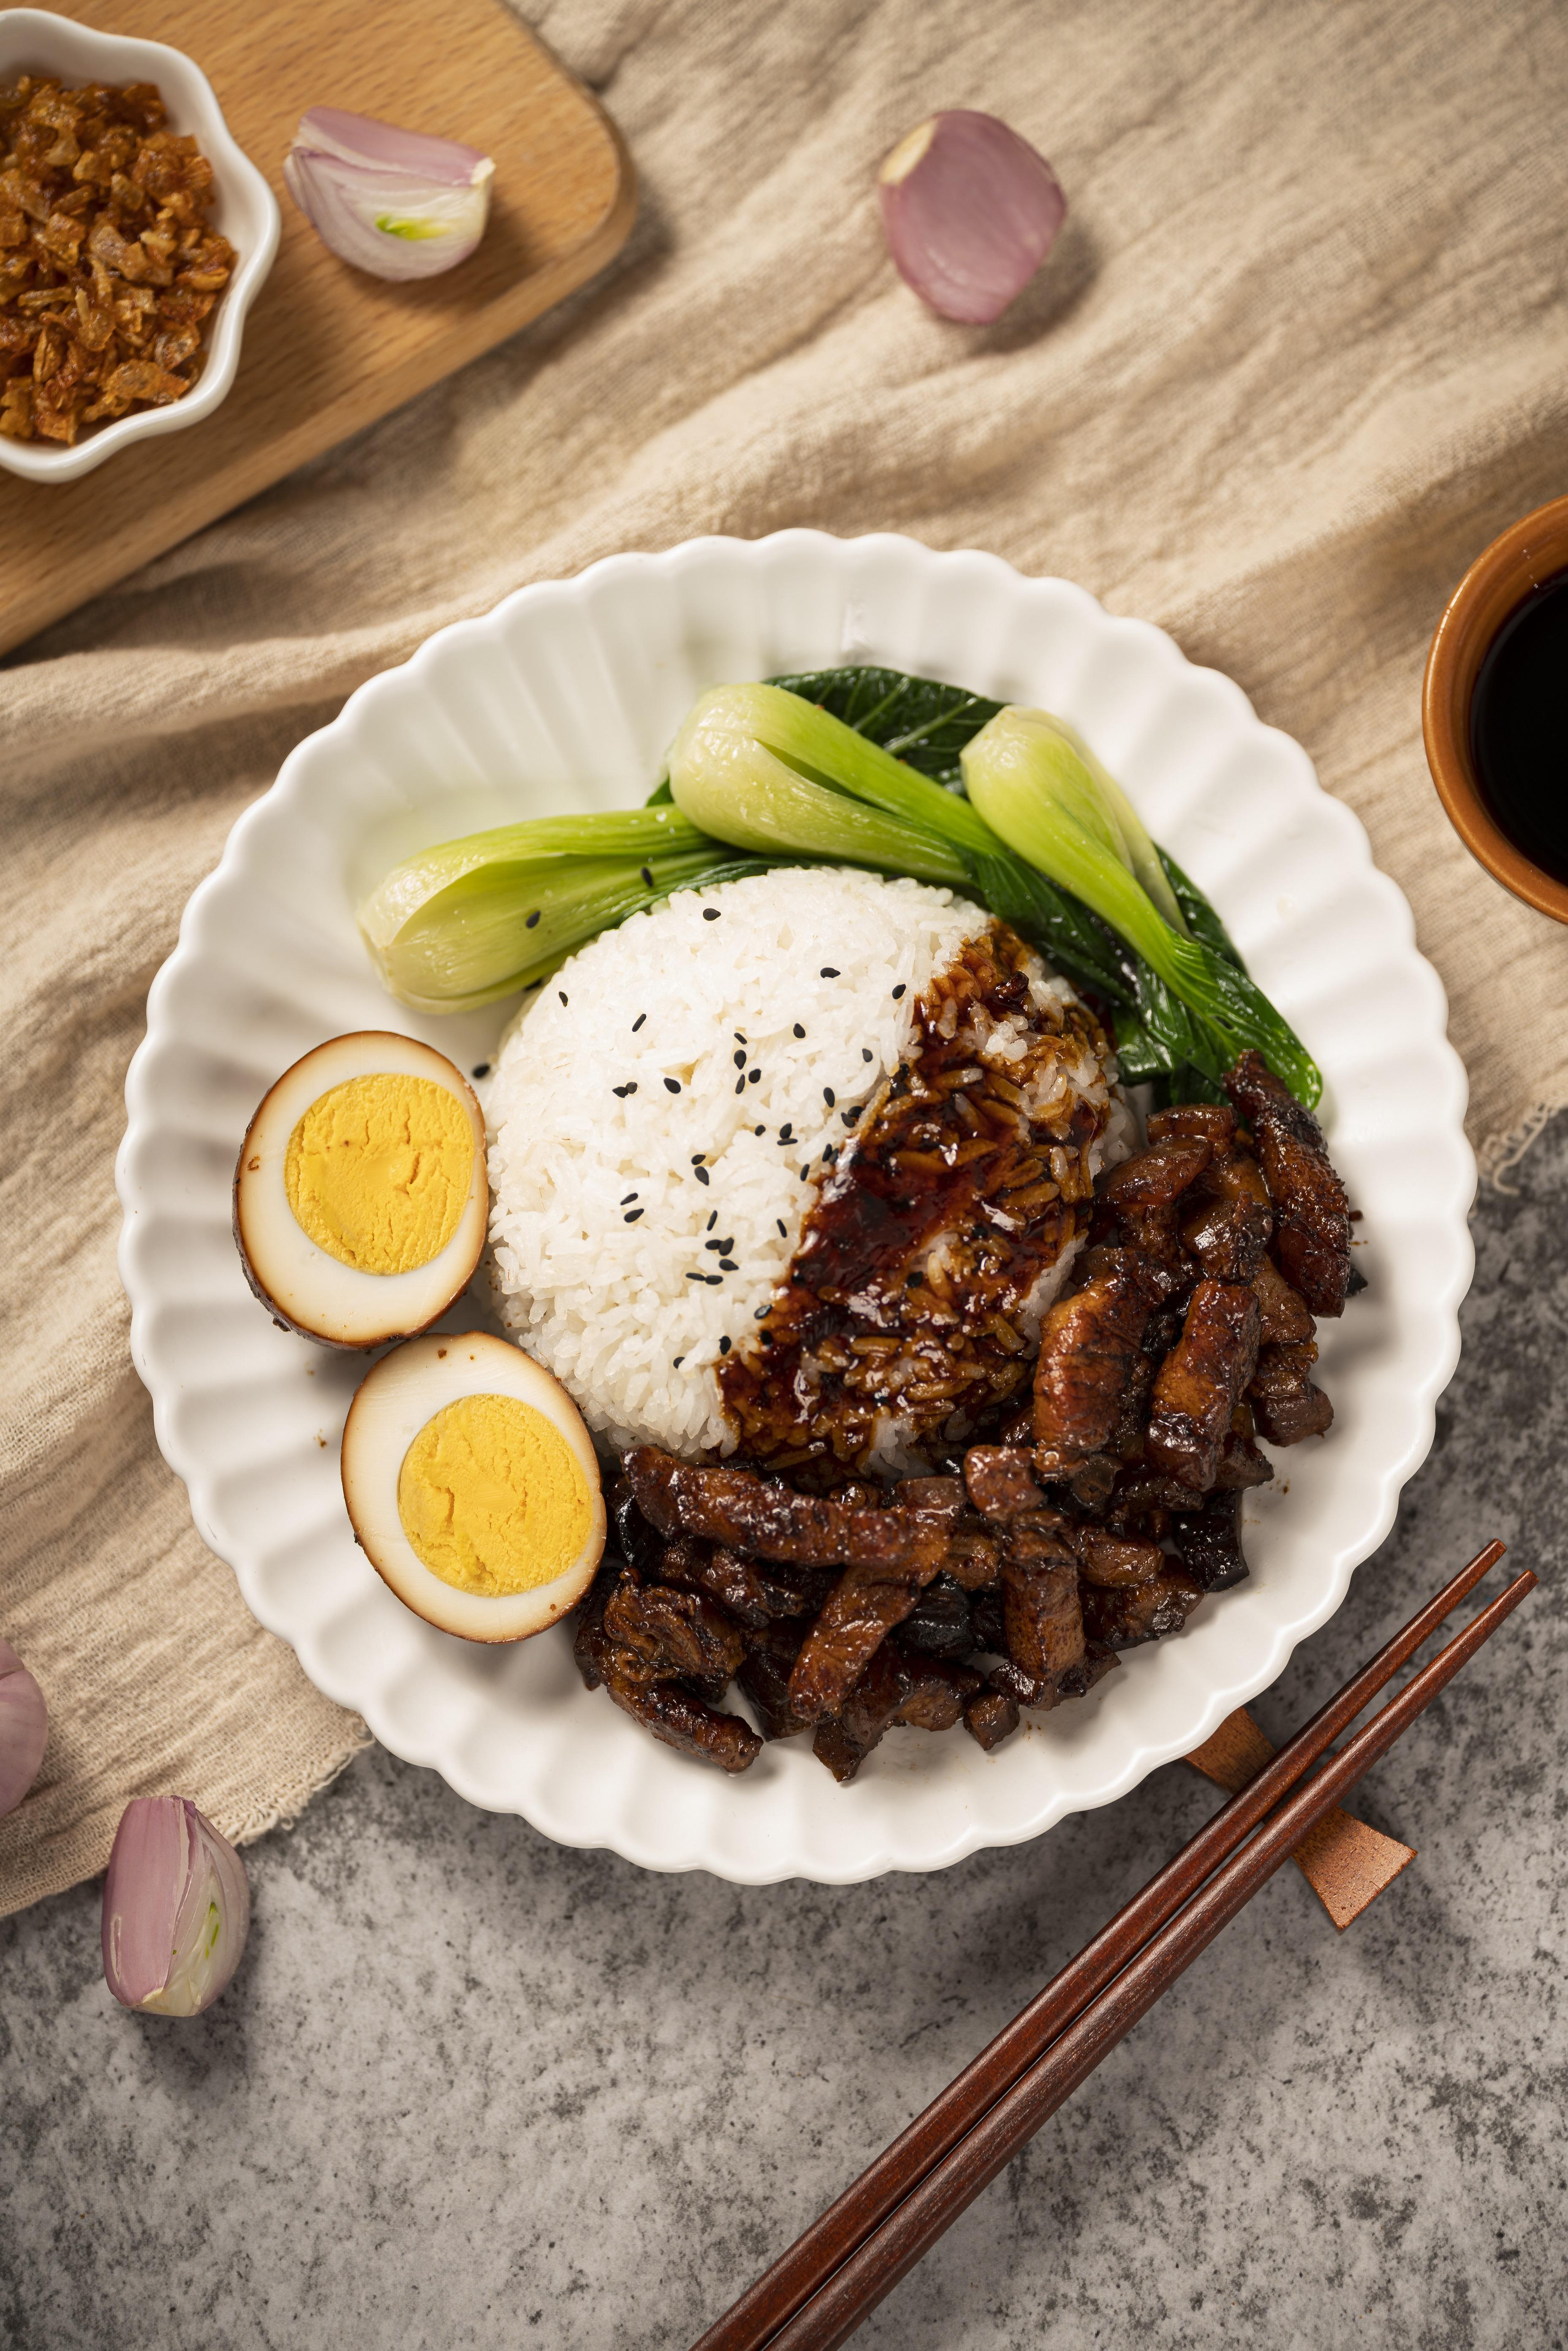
658, 1113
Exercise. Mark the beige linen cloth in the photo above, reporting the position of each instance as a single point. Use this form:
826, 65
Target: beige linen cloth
1301, 352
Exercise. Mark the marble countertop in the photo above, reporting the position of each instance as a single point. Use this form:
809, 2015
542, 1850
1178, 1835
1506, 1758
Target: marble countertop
472, 2089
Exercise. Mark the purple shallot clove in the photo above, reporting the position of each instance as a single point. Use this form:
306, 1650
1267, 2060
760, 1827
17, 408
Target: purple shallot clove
970, 211
176, 1909
398, 204
24, 1729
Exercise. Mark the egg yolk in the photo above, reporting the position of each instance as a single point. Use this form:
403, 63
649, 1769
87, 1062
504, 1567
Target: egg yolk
379, 1170
493, 1498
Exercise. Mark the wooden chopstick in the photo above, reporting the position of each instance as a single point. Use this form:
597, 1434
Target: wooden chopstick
800, 2272
883, 2259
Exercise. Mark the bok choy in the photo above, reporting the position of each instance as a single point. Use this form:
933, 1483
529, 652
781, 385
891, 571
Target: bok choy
1035, 782
474, 919
766, 771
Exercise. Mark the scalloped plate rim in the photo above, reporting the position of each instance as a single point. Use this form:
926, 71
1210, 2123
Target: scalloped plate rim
1143, 1756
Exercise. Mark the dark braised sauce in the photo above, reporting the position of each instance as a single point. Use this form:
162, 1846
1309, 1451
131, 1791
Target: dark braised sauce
1519, 728
962, 1185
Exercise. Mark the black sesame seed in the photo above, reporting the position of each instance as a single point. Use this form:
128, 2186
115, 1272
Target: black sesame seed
727, 1265
738, 1037
713, 1219
702, 1176
626, 1203
621, 1092
759, 1317
642, 1016
740, 1086
804, 1173
799, 1030
865, 1053
531, 919
696, 1277
481, 1069
916, 1280
647, 877
561, 993
830, 1156
784, 1130
752, 1076
713, 1280
740, 1060
729, 1245
759, 1130
898, 991
783, 1229
632, 1216
828, 1096
679, 1361
631, 1086
848, 1116
712, 1245
698, 1158
829, 971
710, 913
724, 1344
672, 1085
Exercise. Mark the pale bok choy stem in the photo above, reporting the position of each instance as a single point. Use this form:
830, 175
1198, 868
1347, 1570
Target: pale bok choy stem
474, 919
748, 765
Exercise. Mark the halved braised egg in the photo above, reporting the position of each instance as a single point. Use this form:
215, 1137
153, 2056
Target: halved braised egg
360, 1196
472, 1485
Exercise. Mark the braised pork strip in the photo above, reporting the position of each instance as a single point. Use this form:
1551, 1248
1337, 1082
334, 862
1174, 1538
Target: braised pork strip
1200, 1384
679, 1635
680, 1719
764, 1516
1289, 1407
1311, 1213
921, 1692
1089, 1347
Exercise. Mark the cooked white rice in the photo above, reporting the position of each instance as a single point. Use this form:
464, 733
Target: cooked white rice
628, 1081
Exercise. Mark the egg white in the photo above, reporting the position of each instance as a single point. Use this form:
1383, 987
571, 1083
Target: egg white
405, 1390
305, 1286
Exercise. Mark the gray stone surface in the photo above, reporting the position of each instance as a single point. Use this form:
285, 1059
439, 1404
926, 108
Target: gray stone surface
470, 2089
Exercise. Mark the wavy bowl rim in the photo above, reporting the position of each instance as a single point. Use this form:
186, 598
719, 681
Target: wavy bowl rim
1143, 1756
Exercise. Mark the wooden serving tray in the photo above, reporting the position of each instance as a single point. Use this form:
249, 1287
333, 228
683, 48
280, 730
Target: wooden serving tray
327, 348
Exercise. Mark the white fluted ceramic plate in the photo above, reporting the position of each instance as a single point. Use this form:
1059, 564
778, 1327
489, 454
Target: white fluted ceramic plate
564, 698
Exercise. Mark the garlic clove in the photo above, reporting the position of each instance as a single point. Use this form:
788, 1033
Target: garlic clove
970, 211
398, 204
176, 1909
24, 1729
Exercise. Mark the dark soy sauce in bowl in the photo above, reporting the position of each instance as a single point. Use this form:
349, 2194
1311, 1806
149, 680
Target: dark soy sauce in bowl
1519, 728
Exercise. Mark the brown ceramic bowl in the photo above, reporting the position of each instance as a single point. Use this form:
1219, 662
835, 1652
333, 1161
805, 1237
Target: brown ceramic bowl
1494, 587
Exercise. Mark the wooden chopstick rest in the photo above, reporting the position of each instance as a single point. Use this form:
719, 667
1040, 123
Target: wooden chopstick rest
1346, 1864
